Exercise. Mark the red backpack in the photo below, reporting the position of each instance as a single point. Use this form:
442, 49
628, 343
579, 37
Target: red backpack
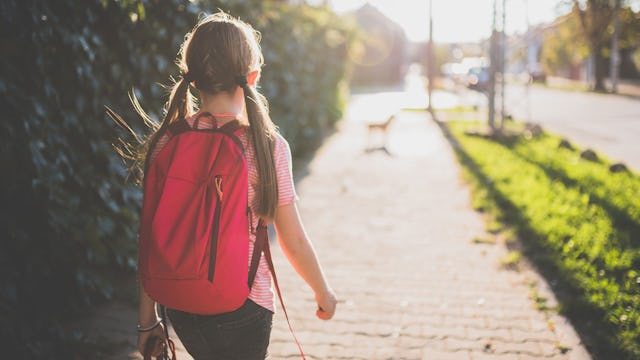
193, 244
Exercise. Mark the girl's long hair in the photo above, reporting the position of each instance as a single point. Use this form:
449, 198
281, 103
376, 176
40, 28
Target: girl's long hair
215, 56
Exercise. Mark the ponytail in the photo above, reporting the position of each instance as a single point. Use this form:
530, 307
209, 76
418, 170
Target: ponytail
262, 137
179, 106
137, 153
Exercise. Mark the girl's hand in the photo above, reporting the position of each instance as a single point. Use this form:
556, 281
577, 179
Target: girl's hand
143, 337
326, 305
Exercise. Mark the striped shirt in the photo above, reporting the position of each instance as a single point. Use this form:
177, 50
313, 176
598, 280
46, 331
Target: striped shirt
261, 291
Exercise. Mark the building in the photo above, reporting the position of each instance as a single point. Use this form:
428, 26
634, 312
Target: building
383, 57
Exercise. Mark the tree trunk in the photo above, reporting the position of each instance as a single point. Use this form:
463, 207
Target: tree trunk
594, 21
600, 70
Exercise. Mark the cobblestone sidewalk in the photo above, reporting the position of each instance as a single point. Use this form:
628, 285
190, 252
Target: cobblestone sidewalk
395, 236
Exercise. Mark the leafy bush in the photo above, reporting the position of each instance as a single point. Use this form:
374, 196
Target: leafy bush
305, 77
69, 219
579, 223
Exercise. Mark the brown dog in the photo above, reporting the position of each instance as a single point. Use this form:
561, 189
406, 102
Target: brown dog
382, 128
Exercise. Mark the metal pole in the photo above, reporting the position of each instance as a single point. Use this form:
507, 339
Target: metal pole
615, 53
503, 50
430, 59
492, 72
529, 67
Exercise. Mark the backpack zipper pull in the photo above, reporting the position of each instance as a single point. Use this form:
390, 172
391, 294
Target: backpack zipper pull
218, 181
213, 250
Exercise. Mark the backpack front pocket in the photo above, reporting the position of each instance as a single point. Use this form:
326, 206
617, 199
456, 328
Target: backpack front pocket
181, 229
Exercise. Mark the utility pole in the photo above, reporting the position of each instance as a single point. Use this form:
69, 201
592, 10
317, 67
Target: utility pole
430, 60
503, 51
529, 62
492, 71
615, 53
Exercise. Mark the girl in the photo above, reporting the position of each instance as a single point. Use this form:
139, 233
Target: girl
221, 58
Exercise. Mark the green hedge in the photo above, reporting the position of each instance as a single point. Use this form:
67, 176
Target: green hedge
306, 72
69, 218
580, 224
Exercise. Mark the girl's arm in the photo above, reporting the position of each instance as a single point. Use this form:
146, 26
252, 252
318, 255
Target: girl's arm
298, 249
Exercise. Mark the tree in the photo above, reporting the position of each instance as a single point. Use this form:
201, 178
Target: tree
628, 42
595, 16
564, 48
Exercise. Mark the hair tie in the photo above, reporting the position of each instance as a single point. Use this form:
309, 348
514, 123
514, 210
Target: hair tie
241, 80
188, 77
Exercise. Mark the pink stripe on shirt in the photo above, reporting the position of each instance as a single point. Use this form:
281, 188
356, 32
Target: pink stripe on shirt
261, 292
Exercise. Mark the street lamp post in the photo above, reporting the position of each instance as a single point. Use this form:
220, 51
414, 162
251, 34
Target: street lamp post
492, 71
503, 52
615, 55
430, 60
497, 63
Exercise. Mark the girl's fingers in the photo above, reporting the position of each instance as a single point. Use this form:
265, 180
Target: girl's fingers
326, 305
322, 315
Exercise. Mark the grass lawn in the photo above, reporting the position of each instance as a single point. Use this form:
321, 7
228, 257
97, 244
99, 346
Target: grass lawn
577, 222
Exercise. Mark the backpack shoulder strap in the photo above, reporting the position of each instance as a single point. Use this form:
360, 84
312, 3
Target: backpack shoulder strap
233, 129
258, 249
178, 127
262, 242
173, 129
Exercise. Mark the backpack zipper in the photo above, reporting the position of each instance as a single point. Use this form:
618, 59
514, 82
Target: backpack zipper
217, 180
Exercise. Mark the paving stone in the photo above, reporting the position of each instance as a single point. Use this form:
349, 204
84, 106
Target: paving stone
503, 334
456, 344
493, 356
429, 354
528, 347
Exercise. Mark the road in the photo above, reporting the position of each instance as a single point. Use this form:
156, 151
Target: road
609, 124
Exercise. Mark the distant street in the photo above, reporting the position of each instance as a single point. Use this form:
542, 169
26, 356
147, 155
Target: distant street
609, 124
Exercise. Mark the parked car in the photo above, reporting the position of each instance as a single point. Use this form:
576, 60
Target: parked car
538, 76
478, 78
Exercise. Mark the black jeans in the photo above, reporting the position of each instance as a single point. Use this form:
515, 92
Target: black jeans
242, 334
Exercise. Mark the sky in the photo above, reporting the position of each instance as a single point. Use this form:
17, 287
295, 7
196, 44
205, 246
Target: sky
456, 20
